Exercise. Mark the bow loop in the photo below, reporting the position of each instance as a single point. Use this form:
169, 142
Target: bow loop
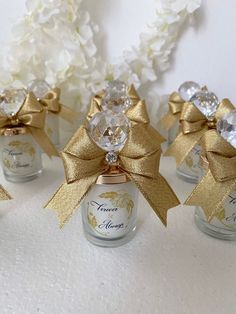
51, 100
82, 158
175, 103
221, 156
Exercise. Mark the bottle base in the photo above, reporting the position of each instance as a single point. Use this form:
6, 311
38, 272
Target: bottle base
18, 179
110, 243
216, 232
186, 177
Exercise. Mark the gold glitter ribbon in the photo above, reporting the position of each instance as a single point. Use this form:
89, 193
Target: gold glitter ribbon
194, 125
173, 115
220, 179
51, 101
84, 161
3, 194
31, 116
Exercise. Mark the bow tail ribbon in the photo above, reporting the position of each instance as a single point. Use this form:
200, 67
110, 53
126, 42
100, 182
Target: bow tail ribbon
157, 192
4, 195
210, 195
43, 141
68, 197
183, 145
169, 119
68, 114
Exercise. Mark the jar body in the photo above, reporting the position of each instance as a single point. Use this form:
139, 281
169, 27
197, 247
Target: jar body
109, 213
52, 128
190, 169
20, 157
223, 225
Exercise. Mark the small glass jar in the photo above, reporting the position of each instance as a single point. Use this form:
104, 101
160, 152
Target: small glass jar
52, 128
223, 225
190, 168
20, 155
109, 211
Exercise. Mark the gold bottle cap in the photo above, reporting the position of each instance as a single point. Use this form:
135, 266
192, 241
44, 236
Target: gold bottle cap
113, 176
14, 131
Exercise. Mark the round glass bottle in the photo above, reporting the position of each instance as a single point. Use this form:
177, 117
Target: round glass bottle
223, 225
20, 155
109, 211
190, 168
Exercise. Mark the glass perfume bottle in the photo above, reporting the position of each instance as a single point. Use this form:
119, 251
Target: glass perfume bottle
109, 210
40, 88
207, 103
185, 93
20, 155
223, 225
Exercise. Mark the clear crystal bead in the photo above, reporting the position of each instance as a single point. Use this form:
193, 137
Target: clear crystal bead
108, 130
226, 127
188, 89
12, 100
111, 157
206, 102
39, 88
116, 97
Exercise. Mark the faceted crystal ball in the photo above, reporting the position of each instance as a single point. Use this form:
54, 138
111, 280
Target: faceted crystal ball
206, 102
188, 89
11, 100
109, 131
39, 88
226, 127
116, 97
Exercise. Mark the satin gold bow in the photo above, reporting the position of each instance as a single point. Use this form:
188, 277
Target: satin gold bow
220, 179
173, 115
84, 161
51, 101
194, 124
31, 116
3, 194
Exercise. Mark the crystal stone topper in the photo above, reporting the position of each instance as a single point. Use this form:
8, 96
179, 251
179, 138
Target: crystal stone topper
116, 97
226, 127
188, 89
11, 100
108, 130
39, 88
206, 102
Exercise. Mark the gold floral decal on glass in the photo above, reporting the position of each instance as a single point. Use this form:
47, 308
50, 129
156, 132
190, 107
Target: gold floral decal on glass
92, 220
119, 199
24, 147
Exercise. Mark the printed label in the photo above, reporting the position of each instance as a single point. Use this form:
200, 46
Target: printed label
18, 157
191, 164
109, 213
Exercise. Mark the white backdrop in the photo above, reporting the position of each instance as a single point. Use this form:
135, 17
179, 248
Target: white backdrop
205, 53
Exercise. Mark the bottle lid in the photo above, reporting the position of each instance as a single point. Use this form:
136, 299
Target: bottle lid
14, 131
113, 176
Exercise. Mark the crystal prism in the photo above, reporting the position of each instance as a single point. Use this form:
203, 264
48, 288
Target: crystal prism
39, 88
12, 100
116, 97
188, 89
226, 127
206, 102
111, 157
108, 130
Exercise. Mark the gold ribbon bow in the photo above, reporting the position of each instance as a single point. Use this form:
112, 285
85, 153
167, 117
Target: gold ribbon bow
84, 161
175, 107
220, 179
3, 194
51, 101
31, 116
194, 124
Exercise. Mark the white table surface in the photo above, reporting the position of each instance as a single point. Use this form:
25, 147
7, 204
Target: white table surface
176, 270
